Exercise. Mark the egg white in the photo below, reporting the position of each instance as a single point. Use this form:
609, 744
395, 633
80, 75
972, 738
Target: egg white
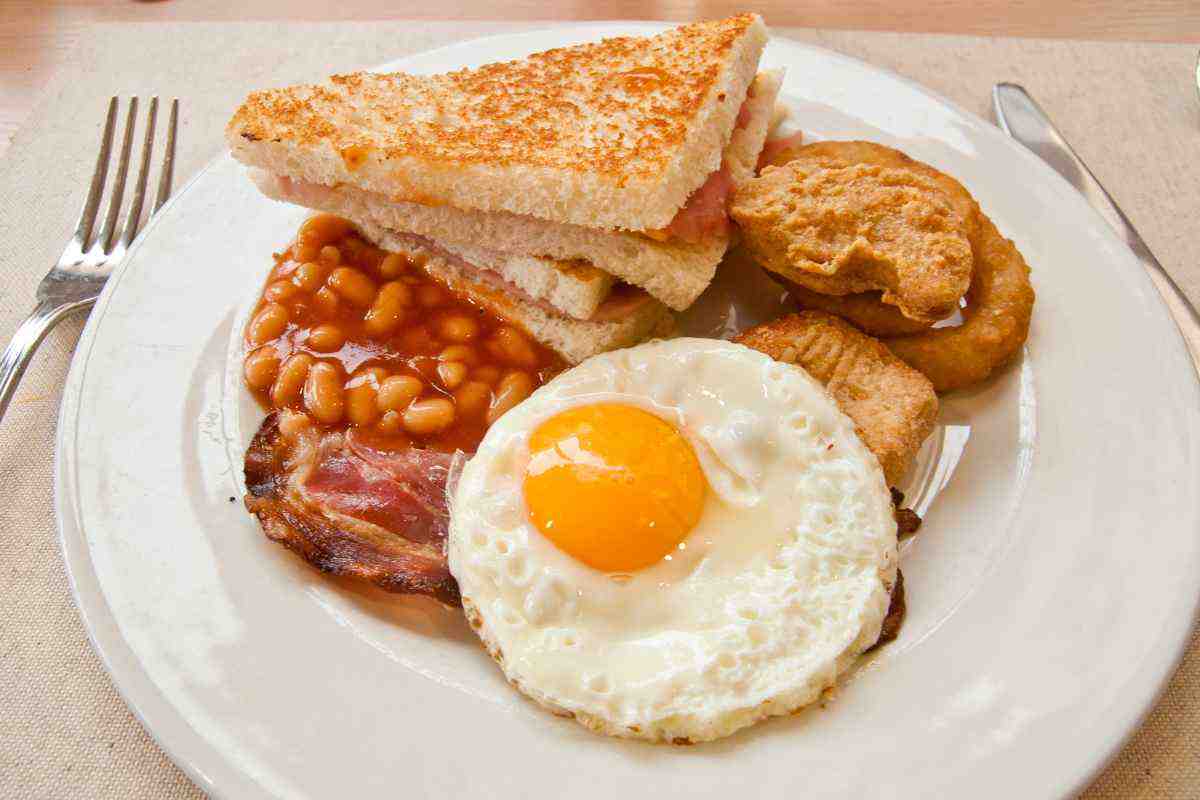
785, 579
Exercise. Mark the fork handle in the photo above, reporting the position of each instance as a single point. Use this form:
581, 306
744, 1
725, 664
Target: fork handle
29, 335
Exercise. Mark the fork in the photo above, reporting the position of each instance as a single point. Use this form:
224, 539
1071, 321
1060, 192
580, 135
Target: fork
75, 281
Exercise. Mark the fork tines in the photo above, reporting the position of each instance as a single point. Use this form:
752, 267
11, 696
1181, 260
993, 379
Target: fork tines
103, 241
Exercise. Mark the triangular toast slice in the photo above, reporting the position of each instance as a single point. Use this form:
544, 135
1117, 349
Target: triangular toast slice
614, 134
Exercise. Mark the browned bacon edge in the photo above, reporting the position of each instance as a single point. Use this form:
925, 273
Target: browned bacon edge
895, 614
907, 523
332, 548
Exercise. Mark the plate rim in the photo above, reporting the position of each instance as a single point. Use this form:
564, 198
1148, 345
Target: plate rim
94, 611
134, 685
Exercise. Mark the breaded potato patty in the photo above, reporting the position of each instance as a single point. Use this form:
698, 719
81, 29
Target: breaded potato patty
839, 225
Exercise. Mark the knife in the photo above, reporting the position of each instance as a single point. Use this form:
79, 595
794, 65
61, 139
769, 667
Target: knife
1023, 119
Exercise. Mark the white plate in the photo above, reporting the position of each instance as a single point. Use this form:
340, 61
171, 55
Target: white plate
1050, 591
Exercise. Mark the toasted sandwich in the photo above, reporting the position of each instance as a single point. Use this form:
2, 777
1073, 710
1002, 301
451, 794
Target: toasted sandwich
584, 186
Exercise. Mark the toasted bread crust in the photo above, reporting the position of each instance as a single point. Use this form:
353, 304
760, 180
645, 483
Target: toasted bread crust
613, 134
674, 272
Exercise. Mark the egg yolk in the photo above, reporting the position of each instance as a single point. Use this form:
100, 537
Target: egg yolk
613, 486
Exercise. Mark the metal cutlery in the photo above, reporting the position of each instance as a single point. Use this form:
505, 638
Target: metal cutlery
1023, 119
76, 280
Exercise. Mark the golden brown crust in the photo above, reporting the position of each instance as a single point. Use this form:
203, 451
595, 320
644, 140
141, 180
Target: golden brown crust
862, 227
893, 406
841, 218
999, 301
995, 320
501, 113
866, 310
843, 153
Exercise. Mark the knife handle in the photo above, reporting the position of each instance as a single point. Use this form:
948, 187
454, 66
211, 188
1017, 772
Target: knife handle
1023, 119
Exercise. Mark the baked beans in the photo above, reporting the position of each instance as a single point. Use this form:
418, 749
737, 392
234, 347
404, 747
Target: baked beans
269, 323
356, 337
315, 233
460, 353
262, 366
513, 388
309, 277
305, 251
322, 229
330, 255
326, 302
488, 373
452, 373
425, 417
472, 399
285, 392
392, 266
387, 311
457, 328
430, 295
323, 393
280, 291
512, 347
396, 392
326, 338
362, 396
353, 285
390, 423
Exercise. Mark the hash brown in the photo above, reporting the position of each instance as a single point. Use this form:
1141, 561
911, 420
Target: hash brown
842, 229
995, 324
893, 406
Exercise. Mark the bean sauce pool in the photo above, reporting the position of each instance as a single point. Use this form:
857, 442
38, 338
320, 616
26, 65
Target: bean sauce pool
354, 336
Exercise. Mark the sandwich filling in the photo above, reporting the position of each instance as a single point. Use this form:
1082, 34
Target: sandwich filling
620, 301
705, 213
572, 268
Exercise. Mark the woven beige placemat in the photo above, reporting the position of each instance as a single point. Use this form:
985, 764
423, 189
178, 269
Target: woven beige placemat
1129, 109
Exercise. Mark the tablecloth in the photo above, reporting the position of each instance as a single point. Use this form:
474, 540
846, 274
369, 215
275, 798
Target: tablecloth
1129, 109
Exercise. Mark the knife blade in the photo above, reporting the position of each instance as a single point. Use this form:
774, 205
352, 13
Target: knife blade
1023, 119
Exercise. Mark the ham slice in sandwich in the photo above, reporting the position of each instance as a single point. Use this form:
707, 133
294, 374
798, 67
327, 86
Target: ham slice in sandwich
584, 204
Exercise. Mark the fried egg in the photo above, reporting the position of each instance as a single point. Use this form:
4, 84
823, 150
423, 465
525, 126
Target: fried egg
674, 541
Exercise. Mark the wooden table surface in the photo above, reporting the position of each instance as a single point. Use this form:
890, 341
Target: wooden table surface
38, 35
